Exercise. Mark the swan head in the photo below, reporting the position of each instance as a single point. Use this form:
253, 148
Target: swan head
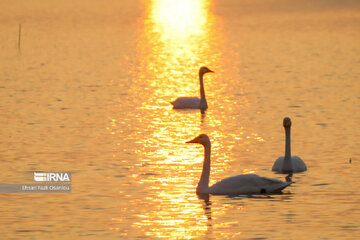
287, 122
204, 70
203, 139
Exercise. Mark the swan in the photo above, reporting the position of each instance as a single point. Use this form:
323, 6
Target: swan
288, 164
194, 102
236, 185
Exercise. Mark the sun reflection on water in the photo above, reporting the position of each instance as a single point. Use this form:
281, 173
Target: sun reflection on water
178, 37
174, 44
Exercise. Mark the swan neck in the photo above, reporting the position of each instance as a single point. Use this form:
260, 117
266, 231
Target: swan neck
287, 145
203, 184
203, 103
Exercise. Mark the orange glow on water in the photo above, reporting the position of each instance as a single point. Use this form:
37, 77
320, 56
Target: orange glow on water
89, 93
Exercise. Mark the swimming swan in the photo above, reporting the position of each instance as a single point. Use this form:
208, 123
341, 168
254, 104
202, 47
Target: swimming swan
236, 185
194, 102
288, 163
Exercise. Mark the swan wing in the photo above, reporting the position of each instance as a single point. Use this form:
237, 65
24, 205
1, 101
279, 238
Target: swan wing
278, 164
298, 164
248, 184
186, 102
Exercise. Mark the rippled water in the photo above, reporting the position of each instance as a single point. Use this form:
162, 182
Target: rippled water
89, 92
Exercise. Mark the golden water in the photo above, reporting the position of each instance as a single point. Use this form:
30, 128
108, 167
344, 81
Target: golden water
89, 90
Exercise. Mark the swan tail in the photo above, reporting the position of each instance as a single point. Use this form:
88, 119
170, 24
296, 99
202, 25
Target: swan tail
175, 105
276, 188
282, 186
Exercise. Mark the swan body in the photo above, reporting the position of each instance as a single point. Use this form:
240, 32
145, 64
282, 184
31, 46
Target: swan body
288, 163
186, 103
194, 102
247, 184
297, 163
236, 185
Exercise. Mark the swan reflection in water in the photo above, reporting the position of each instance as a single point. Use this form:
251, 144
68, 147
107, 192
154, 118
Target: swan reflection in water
206, 206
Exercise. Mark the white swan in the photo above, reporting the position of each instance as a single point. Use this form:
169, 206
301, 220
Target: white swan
236, 185
288, 164
194, 102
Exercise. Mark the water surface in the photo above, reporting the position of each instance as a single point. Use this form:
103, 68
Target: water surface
89, 92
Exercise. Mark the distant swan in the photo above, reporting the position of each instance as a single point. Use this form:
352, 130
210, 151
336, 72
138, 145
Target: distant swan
288, 164
194, 102
236, 185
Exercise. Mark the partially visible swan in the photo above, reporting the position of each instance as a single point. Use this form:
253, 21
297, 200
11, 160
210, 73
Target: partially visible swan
194, 102
236, 185
288, 164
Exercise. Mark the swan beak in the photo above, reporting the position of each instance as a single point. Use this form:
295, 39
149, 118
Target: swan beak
195, 140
